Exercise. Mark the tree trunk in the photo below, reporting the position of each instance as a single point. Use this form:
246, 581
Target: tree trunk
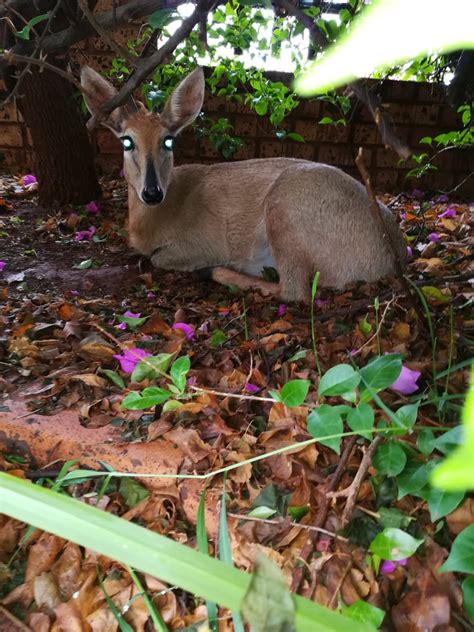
63, 156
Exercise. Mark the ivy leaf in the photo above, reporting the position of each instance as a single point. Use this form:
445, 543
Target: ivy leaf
132, 492
414, 478
324, 421
361, 419
218, 338
394, 544
159, 19
339, 380
149, 397
425, 441
294, 392
268, 604
442, 503
178, 372
389, 517
114, 377
461, 558
143, 370
262, 512
366, 613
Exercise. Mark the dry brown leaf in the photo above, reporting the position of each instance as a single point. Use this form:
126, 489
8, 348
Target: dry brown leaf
461, 517
96, 348
39, 622
46, 592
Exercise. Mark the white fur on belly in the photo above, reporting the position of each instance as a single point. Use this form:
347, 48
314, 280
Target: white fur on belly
262, 257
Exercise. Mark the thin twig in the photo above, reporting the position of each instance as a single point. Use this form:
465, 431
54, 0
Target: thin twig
376, 333
100, 30
13, 58
307, 527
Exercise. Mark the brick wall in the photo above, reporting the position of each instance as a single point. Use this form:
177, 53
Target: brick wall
418, 110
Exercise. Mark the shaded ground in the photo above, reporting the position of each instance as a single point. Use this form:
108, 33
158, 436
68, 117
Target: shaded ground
59, 331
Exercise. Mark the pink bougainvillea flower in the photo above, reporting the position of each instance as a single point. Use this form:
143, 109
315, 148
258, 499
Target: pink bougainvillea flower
449, 212
403, 215
186, 329
82, 235
406, 382
92, 207
74, 292
418, 194
251, 388
204, 328
129, 314
321, 301
2, 265
434, 237
151, 295
191, 381
441, 199
121, 173
129, 358
28, 180
121, 326
281, 311
409, 252
223, 311
388, 566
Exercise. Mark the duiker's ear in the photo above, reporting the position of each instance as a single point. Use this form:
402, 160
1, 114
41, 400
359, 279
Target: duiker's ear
97, 91
185, 103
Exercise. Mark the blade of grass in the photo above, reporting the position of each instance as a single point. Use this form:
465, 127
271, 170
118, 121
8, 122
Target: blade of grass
122, 623
156, 617
225, 554
149, 552
203, 547
314, 290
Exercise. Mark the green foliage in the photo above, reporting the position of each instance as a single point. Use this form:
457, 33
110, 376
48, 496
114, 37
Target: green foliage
461, 557
293, 393
394, 544
324, 421
24, 34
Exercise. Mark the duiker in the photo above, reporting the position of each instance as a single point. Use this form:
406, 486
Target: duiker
237, 218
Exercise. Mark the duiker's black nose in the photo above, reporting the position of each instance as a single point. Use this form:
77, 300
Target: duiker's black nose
152, 195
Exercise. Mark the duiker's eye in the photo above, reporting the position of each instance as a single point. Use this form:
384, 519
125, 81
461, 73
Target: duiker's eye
168, 142
127, 143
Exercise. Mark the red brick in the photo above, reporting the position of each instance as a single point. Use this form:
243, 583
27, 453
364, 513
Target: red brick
206, 150
341, 156
269, 149
332, 133
401, 112
9, 112
430, 92
246, 152
364, 134
11, 136
245, 125
307, 129
386, 158
426, 115
385, 179
312, 108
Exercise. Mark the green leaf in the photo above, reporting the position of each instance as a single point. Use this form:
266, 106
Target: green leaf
272, 497
361, 419
149, 397
133, 323
323, 422
450, 440
25, 31
122, 623
295, 136
381, 372
298, 512
389, 459
338, 380
218, 338
365, 326
262, 512
294, 392
160, 364
299, 355
84, 265
461, 557
441, 503
430, 291
365, 613
179, 371
406, 415
161, 18
132, 492
468, 597
268, 604
426, 441
114, 377
414, 478
394, 544
389, 517
326, 120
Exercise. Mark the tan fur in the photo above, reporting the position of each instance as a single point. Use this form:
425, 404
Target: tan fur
298, 215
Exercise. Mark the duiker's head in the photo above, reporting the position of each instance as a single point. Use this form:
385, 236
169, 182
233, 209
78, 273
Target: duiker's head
147, 138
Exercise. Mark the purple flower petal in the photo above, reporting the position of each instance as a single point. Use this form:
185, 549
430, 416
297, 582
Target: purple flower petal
449, 212
191, 381
409, 252
151, 295
251, 388
129, 314
441, 199
186, 329
121, 173
387, 567
434, 237
29, 179
406, 383
418, 194
121, 326
92, 207
403, 562
85, 234
2, 265
321, 301
130, 357
281, 311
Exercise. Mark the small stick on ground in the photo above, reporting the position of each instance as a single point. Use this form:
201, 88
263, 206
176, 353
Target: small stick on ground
352, 491
322, 513
298, 525
375, 208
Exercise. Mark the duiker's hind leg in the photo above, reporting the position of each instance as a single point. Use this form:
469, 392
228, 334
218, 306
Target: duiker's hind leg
225, 276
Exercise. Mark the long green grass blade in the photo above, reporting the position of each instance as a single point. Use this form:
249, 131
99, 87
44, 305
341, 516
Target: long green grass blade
156, 617
203, 547
149, 552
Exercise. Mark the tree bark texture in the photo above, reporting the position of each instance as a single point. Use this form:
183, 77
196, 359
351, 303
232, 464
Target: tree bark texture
63, 156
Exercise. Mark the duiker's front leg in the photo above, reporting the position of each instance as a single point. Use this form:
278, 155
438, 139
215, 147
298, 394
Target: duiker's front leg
225, 276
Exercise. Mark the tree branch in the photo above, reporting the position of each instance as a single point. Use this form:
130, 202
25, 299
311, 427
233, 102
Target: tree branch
371, 100
11, 59
148, 64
